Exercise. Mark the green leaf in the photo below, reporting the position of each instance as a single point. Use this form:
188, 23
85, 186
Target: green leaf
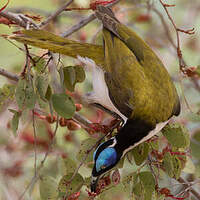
48, 188
20, 93
172, 165
177, 167
168, 164
30, 96
40, 64
177, 135
138, 191
147, 180
85, 146
41, 84
15, 122
198, 70
7, 93
154, 145
148, 183
66, 188
194, 117
69, 77
25, 95
140, 153
48, 93
70, 165
80, 73
195, 144
63, 105
189, 166
73, 75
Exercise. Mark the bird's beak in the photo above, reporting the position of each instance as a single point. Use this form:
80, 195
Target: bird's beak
94, 182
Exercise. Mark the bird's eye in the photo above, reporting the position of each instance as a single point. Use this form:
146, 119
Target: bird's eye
103, 167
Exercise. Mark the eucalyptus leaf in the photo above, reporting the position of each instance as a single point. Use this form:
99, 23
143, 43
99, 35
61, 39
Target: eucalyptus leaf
40, 64
48, 188
85, 146
138, 191
48, 93
80, 73
15, 122
147, 180
177, 167
63, 105
73, 75
20, 93
195, 144
140, 153
41, 83
30, 96
25, 94
148, 183
69, 77
70, 165
198, 70
7, 93
168, 164
66, 188
177, 135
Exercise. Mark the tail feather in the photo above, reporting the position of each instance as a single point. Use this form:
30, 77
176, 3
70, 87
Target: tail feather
57, 44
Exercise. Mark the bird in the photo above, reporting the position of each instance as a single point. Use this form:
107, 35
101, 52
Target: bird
128, 79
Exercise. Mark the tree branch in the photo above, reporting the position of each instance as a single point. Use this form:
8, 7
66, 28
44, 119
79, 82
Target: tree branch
9, 75
84, 22
19, 19
188, 185
55, 14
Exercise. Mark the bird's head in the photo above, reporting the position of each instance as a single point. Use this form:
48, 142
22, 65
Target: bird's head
105, 158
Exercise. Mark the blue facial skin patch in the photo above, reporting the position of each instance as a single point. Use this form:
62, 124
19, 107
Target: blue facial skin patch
106, 158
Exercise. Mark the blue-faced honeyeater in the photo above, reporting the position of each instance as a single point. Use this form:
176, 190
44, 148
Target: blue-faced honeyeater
128, 79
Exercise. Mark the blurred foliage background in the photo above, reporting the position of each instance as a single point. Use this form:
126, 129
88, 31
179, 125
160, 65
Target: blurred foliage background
17, 150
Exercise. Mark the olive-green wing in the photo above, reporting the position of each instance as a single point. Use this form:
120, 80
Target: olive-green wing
124, 76
154, 69
155, 97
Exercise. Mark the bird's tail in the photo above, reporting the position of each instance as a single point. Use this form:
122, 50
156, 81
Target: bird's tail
57, 44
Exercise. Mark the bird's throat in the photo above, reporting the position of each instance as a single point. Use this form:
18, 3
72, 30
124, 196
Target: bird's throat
135, 132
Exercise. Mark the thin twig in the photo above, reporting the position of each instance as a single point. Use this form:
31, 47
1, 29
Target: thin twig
50, 145
19, 19
35, 145
77, 117
35, 178
84, 22
182, 64
82, 120
188, 185
55, 14
9, 75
